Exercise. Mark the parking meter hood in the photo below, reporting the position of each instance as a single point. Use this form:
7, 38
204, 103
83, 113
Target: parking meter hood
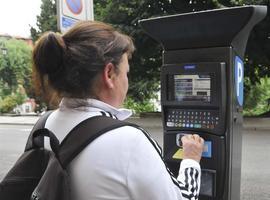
211, 28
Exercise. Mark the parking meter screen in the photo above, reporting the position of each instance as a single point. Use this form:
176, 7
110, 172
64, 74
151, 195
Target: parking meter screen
192, 88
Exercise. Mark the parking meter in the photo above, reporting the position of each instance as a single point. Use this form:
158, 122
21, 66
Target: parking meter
202, 90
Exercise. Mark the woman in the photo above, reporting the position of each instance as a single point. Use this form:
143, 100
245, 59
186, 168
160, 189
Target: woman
88, 68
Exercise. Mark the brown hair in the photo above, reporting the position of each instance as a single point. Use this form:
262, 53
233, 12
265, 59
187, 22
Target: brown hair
70, 63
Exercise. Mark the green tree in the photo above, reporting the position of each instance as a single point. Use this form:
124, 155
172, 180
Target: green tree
257, 63
47, 20
15, 67
146, 62
258, 100
15, 73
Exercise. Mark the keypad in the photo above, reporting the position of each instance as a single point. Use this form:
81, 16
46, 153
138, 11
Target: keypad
205, 119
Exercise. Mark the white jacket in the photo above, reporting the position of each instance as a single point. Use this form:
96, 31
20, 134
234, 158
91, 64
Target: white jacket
123, 164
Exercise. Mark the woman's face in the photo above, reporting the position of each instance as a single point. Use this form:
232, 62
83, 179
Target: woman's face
121, 81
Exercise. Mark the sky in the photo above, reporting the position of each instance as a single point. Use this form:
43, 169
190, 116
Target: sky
16, 16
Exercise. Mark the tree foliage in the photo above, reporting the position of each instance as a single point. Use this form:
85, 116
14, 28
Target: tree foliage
145, 65
47, 20
15, 67
8, 103
146, 62
15, 73
257, 63
258, 100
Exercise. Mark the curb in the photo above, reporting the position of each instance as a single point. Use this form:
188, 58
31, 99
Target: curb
256, 128
255, 124
17, 123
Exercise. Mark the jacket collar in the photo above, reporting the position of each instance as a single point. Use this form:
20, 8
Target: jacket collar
93, 105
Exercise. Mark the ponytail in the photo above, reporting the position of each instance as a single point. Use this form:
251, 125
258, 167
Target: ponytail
48, 54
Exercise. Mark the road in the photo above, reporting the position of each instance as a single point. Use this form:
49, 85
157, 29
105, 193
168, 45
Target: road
12, 143
255, 157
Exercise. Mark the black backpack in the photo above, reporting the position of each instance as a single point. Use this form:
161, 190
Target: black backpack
40, 174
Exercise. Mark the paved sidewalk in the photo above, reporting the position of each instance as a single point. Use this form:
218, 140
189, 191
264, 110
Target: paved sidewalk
257, 123
153, 122
20, 120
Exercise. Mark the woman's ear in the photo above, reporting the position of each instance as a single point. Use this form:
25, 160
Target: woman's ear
108, 75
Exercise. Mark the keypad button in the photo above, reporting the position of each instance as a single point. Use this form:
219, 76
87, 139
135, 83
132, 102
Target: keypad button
170, 124
197, 126
192, 119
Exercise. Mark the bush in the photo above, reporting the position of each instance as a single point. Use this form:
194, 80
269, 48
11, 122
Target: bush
258, 97
7, 104
10, 102
139, 107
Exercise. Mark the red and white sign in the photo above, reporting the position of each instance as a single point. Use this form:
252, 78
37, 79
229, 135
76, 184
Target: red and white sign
71, 11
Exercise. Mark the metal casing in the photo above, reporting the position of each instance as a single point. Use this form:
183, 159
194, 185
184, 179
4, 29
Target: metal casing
213, 41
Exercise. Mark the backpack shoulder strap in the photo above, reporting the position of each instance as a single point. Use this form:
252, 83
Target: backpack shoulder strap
83, 134
39, 125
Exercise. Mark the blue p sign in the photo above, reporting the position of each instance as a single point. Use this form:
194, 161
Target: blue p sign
239, 79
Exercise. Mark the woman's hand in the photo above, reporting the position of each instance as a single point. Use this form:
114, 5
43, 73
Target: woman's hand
193, 146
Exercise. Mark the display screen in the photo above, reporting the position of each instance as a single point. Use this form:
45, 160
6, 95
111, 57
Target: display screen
192, 88
208, 183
